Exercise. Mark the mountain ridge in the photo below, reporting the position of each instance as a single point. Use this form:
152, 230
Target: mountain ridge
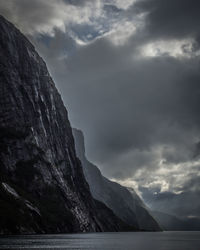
125, 204
173, 223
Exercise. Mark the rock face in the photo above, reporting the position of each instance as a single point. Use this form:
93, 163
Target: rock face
125, 203
42, 186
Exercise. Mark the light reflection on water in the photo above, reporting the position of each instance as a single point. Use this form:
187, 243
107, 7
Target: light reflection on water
106, 241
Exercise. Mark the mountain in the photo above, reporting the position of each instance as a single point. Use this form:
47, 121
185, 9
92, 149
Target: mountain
173, 223
125, 203
42, 186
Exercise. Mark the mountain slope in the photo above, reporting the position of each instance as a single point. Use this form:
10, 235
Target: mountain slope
124, 202
42, 186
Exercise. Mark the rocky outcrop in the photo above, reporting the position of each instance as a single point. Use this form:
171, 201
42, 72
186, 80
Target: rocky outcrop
125, 203
42, 186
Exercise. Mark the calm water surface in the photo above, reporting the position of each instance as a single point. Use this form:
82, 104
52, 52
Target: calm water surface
107, 241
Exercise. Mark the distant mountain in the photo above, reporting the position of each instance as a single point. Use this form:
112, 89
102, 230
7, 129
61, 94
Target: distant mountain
125, 203
42, 186
173, 223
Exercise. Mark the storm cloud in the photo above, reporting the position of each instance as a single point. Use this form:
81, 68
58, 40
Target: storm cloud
171, 19
128, 72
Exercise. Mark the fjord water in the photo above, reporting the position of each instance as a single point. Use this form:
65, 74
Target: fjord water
106, 241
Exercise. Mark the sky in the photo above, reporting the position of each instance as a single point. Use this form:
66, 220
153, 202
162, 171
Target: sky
128, 73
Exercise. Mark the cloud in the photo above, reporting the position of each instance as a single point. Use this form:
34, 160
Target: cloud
123, 4
185, 204
40, 16
84, 21
172, 48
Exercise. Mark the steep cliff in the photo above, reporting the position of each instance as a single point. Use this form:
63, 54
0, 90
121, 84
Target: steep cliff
42, 186
125, 203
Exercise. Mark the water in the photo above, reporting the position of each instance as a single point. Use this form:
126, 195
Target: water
106, 241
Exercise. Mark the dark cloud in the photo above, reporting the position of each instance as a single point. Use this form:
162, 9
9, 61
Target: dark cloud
77, 2
172, 18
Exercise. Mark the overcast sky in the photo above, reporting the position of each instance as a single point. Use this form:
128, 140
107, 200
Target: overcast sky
128, 72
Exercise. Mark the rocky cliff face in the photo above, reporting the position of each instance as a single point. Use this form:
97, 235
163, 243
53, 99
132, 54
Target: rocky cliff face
42, 187
125, 203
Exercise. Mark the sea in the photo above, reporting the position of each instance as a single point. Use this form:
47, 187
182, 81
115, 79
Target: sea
106, 241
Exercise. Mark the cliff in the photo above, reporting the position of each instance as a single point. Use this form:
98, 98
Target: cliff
42, 186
